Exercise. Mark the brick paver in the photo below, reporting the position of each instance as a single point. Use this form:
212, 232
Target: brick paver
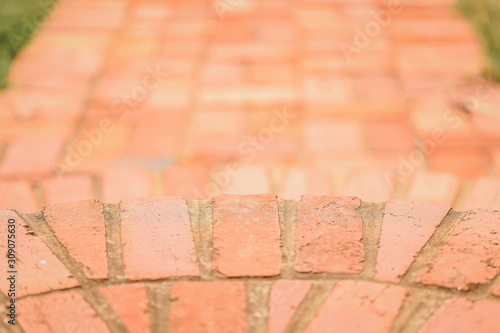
208, 307
163, 246
329, 233
258, 278
462, 315
59, 313
246, 235
41, 269
130, 304
470, 256
406, 228
127, 99
350, 301
85, 220
285, 298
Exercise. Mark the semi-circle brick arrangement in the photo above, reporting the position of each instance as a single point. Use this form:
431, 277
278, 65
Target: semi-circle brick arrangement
254, 263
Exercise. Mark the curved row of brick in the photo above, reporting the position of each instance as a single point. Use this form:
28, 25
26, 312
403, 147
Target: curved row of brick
254, 263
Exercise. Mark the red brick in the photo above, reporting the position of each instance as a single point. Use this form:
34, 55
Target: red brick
248, 179
124, 182
67, 189
158, 134
462, 315
187, 181
358, 306
246, 235
157, 239
485, 195
61, 312
208, 307
329, 233
465, 163
31, 156
470, 255
79, 226
305, 181
369, 185
434, 187
406, 228
40, 269
286, 296
390, 136
17, 195
130, 303
330, 137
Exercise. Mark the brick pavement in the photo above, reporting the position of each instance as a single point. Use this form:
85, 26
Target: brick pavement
372, 98
316, 264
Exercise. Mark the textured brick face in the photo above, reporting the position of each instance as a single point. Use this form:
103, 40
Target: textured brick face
208, 307
246, 235
350, 301
67, 312
329, 233
470, 256
462, 315
130, 304
406, 227
157, 239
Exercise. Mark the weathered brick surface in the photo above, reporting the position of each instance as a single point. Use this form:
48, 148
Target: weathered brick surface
246, 235
208, 307
157, 238
470, 256
246, 244
286, 296
406, 227
63, 312
462, 315
79, 226
130, 303
328, 235
40, 271
358, 306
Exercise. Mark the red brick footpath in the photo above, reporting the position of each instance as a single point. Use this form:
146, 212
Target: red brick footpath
253, 264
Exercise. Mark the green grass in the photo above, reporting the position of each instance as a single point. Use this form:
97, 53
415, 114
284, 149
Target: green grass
19, 21
484, 15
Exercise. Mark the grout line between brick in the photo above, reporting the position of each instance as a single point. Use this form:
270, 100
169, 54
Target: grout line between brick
317, 295
258, 293
159, 306
416, 311
200, 215
372, 216
432, 247
112, 220
287, 210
